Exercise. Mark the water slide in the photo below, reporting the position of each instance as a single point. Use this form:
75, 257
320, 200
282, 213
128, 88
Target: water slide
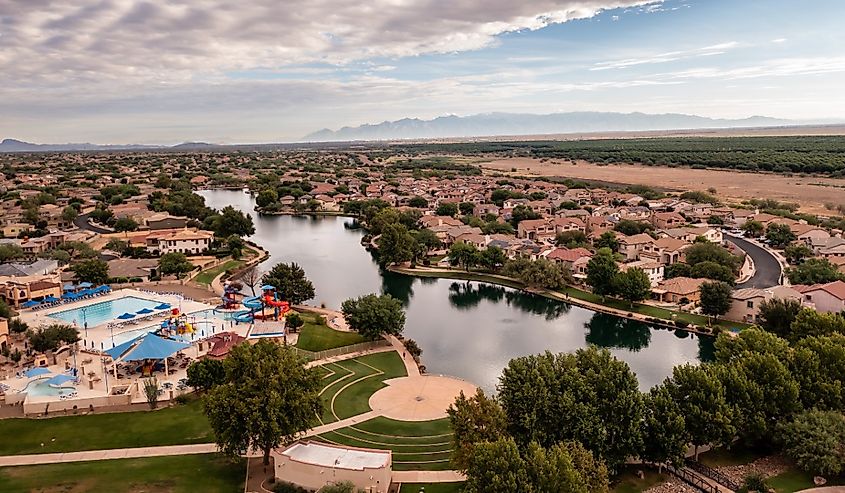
243, 317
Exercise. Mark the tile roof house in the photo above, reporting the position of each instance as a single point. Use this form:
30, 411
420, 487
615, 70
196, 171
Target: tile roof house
828, 298
679, 290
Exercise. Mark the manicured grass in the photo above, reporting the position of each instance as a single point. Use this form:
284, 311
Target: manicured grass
628, 481
431, 487
315, 335
182, 424
354, 381
185, 473
206, 276
795, 480
416, 445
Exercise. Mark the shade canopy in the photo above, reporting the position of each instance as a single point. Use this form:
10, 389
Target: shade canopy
86, 292
102, 288
147, 346
60, 379
70, 296
163, 306
50, 299
30, 304
69, 287
126, 316
267, 287
118, 350
36, 372
85, 284
144, 311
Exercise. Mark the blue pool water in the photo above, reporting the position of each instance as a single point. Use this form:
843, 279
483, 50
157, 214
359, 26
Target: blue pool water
105, 311
40, 387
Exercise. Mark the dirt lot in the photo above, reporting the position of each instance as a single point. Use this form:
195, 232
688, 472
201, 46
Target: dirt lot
812, 193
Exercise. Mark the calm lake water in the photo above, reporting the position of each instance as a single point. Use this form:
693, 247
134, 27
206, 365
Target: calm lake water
466, 329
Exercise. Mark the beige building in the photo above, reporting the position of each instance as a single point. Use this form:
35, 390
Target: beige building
679, 290
187, 241
15, 291
828, 298
313, 465
4, 333
745, 303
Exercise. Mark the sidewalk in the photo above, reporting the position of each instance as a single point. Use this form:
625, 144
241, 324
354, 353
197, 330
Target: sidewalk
121, 453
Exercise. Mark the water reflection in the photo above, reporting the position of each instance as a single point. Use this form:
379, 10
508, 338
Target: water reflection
613, 332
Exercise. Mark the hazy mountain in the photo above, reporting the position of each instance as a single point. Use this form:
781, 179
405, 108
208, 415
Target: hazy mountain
492, 124
13, 145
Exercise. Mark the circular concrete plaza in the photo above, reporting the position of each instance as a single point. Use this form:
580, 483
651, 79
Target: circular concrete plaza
418, 398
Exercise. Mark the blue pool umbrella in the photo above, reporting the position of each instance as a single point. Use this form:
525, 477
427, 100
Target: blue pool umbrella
126, 316
50, 299
267, 287
121, 348
154, 347
85, 284
69, 287
30, 304
36, 372
144, 311
60, 379
86, 292
70, 296
104, 288
163, 306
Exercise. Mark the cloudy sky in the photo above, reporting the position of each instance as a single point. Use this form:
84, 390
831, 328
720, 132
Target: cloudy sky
167, 71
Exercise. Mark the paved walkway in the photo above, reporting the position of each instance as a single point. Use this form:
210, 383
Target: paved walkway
121, 453
427, 476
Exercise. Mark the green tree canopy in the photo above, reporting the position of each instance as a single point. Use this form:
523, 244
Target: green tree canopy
447, 209
464, 255
779, 235
290, 281
268, 399
715, 298
632, 285
174, 263
373, 315
395, 245
572, 239
700, 395
607, 240
602, 271
474, 420
665, 435
92, 270
818, 364
230, 221
815, 440
809, 322
51, 337
206, 373
814, 271
711, 252
777, 315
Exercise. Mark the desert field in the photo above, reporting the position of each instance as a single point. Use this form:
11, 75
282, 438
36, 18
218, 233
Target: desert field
811, 193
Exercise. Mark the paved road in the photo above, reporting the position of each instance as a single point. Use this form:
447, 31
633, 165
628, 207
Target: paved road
768, 269
81, 222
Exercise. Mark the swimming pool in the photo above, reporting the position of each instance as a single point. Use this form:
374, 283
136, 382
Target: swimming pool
104, 311
40, 387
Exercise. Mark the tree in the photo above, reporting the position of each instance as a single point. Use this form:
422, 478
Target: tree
69, 214
251, 276
269, 398
678, 269
607, 240
777, 315
116, 245
174, 263
426, 238
447, 209
779, 235
290, 281
92, 270
814, 271
125, 224
712, 270
266, 197
522, 213
590, 397
395, 245
229, 222
809, 322
206, 374
752, 340
797, 252
294, 321
715, 298
602, 271
496, 467
815, 440
701, 398
463, 254
632, 285
466, 208
545, 274
717, 220
10, 251
418, 202
51, 337
151, 392
818, 364
572, 239
78, 249
474, 420
753, 228
373, 315
492, 258
711, 252
665, 435
629, 227
341, 487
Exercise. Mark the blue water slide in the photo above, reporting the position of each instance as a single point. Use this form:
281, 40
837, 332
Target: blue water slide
253, 303
243, 317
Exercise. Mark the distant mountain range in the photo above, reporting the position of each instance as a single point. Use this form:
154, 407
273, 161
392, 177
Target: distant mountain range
498, 124
13, 145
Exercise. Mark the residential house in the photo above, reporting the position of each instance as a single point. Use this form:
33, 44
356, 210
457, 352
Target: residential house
653, 269
745, 302
667, 220
666, 250
536, 229
828, 298
829, 248
12, 230
482, 210
187, 241
808, 233
679, 290
631, 246
15, 291
163, 220
4, 334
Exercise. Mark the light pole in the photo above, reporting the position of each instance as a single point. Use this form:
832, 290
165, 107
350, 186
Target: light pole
84, 310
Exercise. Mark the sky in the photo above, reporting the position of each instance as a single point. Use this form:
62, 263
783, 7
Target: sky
170, 71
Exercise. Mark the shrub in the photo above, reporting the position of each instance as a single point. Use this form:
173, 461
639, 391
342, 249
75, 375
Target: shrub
285, 487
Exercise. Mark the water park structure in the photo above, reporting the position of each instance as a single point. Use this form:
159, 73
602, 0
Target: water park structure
231, 292
269, 298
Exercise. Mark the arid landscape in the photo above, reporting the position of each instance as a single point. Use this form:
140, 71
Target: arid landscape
811, 192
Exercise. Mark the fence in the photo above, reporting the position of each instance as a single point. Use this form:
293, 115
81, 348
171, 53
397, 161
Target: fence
713, 474
330, 353
693, 479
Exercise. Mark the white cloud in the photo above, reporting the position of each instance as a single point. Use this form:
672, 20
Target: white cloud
670, 56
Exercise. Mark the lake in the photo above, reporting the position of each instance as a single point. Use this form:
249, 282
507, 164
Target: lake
466, 329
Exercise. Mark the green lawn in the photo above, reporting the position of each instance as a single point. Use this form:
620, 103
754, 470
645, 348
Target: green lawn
182, 424
206, 276
629, 482
795, 480
431, 487
350, 383
737, 455
316, 336
416, 445
209, 473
